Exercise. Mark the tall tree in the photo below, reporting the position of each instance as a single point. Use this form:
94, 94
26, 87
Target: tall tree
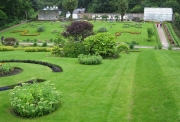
70, 5
122, 7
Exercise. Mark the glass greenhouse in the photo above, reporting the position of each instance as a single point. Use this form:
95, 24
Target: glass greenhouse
158, 14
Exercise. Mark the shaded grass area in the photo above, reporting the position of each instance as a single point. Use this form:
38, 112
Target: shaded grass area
137, 87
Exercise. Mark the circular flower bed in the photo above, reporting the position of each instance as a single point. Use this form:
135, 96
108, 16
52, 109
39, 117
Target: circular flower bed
34, 100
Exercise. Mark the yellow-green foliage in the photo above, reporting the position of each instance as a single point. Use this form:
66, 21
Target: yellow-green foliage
25, 33
6, 48
37, 49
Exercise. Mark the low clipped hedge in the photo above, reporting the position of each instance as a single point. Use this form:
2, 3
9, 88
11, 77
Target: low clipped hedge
6, 48
37, 49
33, 100
25, 33
89, 59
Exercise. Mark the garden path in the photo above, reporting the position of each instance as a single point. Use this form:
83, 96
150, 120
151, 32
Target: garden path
162, 37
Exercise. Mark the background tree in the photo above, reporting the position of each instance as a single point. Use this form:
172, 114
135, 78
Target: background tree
150, 33
122, 7
70, 5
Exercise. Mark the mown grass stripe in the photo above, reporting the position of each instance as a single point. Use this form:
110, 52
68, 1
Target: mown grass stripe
153, 101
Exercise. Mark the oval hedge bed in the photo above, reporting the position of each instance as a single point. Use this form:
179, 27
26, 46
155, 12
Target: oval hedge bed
55, 68
3, 88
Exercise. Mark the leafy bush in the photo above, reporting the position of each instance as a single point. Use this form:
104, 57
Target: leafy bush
102, 29
35, 44
5, 68
150, 32
102, 44
9, 41
73, 49
78, 30
89, 59
40, 29
44, 44
57, 51
123, 47
34, 100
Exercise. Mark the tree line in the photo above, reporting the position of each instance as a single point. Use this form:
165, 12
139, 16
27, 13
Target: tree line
11, 11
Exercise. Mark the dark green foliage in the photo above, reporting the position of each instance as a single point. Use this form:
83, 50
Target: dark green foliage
89, 59
150, 32
73, 49
44, 44
102, 29
35, 44
40, 29
34, 100
70, 5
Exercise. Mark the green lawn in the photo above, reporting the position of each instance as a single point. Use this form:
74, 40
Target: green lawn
137, 87
112, 27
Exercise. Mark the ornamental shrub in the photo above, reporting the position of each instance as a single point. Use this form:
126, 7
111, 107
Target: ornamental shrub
44, 44
89, 59
9, 41
102, 44
5, 68
102, 29
40, 29
57, 51
78, 30
123, 47
33, 100
73, 49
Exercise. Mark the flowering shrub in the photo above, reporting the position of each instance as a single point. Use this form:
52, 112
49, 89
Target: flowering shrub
34, 100
89, 59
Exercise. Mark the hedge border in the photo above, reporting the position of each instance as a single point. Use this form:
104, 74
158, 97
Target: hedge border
55, 68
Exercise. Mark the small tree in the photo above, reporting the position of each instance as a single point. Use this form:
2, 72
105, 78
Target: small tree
122, 7
70, 5
150, 33
78, 31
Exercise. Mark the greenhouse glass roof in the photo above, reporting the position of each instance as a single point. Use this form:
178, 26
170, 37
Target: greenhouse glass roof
158, 14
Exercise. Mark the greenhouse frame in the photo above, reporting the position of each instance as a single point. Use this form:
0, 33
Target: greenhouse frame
158, 14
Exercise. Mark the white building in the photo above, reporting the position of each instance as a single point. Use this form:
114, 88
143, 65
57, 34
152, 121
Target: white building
49, 13
158, 14
75, 13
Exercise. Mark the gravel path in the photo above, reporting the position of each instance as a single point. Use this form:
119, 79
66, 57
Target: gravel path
162, 37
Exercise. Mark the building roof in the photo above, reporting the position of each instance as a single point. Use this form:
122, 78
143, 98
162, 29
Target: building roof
51, 8
158, 14
78, 10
